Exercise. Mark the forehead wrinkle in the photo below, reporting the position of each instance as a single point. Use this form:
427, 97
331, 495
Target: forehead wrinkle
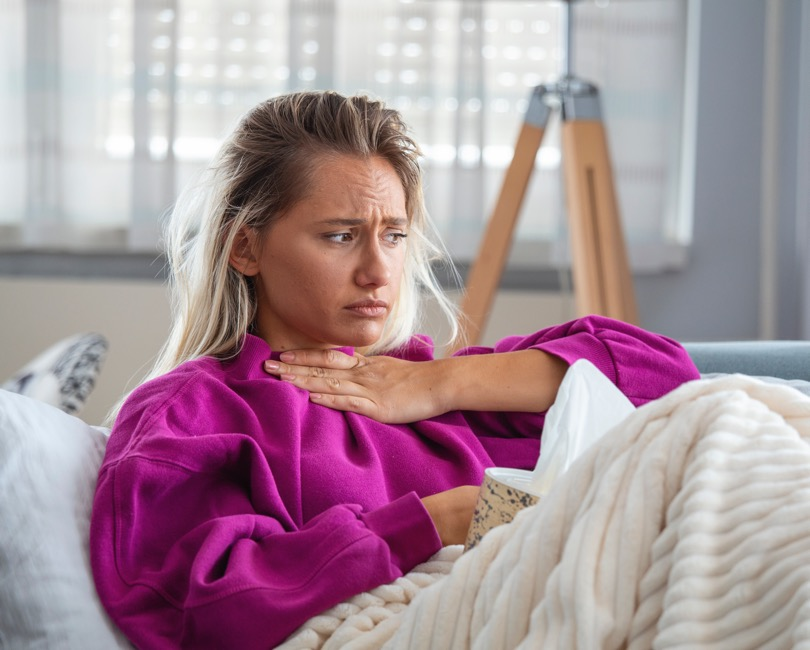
346, 189
360, 221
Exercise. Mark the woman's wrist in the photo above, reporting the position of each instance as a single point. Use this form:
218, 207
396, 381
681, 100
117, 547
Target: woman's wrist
526, 380
448, 392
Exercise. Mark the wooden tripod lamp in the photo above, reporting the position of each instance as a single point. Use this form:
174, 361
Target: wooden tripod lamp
601, 274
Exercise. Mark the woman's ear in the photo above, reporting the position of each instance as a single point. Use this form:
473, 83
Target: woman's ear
244, 255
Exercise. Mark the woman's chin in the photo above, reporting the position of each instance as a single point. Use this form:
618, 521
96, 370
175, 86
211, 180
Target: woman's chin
362, 339
336, 337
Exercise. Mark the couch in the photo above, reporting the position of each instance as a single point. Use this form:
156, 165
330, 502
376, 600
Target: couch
788, 360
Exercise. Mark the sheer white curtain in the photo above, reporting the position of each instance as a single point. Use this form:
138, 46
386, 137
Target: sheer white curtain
108, 107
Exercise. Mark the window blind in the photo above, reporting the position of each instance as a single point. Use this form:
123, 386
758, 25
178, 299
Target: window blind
108, 108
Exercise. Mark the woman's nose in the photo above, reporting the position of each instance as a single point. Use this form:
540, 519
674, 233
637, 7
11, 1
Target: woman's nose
373, 268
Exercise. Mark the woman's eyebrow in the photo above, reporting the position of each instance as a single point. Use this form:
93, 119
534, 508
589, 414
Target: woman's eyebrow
350, 222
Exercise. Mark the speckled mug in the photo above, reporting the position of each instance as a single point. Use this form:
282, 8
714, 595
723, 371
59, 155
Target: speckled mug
503, 494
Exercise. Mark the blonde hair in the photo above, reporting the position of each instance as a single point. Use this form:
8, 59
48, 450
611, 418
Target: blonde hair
261, 171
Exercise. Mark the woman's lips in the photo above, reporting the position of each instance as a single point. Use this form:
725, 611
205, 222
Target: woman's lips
369, 308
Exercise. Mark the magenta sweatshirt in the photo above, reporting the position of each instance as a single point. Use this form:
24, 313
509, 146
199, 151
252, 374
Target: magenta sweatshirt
230, 509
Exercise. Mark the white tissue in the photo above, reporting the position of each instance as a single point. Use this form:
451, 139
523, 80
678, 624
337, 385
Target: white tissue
588, 405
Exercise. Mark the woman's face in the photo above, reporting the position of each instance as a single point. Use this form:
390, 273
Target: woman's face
327, 273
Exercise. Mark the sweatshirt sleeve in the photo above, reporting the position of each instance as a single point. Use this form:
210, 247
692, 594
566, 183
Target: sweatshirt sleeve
193, 547
642, 364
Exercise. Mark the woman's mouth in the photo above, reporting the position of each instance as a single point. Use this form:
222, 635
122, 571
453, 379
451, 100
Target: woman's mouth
369, 308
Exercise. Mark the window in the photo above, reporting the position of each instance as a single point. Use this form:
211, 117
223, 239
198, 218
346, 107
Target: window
107, 108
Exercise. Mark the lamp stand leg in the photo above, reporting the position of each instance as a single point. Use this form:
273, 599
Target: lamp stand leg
601, 273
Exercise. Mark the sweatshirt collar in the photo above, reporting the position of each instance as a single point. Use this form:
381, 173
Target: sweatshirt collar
255, 351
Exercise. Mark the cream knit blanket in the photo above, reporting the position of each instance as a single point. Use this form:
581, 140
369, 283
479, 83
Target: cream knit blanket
686, 526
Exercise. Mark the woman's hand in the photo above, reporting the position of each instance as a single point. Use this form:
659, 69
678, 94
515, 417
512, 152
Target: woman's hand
451, 512
383, 388
393, 390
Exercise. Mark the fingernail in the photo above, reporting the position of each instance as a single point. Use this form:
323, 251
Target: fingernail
287, 356
271, 365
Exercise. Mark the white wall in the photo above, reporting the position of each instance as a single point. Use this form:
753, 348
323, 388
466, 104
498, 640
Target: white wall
37, 313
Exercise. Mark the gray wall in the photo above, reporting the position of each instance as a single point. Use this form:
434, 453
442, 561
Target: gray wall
717, 296
793, 308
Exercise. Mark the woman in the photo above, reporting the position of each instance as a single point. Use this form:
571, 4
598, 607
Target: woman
297, 443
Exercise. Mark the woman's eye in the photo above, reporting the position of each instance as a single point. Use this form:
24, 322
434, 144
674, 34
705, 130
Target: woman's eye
340, 237
395, 237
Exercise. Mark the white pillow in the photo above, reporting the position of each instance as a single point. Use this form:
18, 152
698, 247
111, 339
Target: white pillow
48, 466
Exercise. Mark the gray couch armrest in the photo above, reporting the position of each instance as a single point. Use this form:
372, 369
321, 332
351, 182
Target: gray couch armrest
783, 359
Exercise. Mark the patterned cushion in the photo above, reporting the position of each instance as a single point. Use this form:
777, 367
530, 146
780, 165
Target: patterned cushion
64, 374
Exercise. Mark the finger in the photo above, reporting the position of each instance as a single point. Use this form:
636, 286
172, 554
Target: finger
280, 369
295, 374
338, 363
334, 359
328, 383
347, 403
